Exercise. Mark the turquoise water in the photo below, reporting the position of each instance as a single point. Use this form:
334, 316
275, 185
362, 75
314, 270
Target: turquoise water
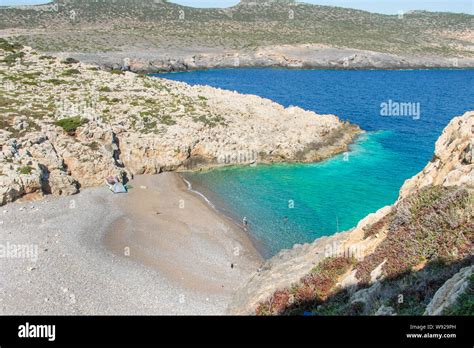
288, 204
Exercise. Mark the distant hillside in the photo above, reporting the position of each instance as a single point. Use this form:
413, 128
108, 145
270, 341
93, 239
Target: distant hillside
101, 26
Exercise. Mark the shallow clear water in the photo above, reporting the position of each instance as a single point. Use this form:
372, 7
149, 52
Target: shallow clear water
288, 204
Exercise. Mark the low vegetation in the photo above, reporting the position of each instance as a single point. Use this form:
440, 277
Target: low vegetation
310, 291
71, 124
25, 170
70, 72
245, 27
435, 223
56, 82
105, 89
430, 236
13, 57
9, 46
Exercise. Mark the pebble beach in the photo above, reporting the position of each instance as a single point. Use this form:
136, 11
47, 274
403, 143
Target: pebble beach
158, 250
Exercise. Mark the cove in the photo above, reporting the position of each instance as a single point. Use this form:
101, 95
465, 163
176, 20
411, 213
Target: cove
287, 204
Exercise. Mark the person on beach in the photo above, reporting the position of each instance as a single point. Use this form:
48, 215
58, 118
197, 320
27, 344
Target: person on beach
245, 222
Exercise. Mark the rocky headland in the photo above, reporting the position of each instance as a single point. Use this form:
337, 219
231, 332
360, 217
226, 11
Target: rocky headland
67, 125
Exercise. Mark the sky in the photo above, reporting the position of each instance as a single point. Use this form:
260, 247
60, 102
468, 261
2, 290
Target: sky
380, 6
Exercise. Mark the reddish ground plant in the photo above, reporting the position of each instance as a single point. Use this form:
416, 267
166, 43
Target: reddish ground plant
434, 223
377, 227
312, 289
433, 226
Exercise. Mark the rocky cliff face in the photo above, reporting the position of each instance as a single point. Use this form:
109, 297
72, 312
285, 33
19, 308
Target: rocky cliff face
452, 161
67, 125
395, 260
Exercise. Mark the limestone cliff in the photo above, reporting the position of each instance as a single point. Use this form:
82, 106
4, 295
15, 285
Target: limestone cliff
394, 260
452, 161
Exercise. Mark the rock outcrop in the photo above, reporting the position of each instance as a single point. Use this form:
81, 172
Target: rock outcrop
452, 161
448, 294
432, 222
66, 125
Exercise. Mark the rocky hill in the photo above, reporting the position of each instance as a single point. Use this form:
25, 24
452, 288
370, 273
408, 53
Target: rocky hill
66, 125
412, 258
154, 35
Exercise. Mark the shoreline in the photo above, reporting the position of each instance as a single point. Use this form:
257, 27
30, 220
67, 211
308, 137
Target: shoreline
180, 214
220, 207
180, 261
173, 69
190, 188
162, 74
291, 57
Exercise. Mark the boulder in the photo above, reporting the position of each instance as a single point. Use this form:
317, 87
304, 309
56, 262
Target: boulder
449, 292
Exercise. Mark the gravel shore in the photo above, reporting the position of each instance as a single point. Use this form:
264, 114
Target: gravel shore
160, 249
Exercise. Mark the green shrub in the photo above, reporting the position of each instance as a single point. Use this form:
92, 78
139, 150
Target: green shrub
94, 145
105, 89
11, 58
56, 82
210, 120
46, 57
167, 120
26, 170
32, 75
71, 124
6, 102
9, 47
70, 72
